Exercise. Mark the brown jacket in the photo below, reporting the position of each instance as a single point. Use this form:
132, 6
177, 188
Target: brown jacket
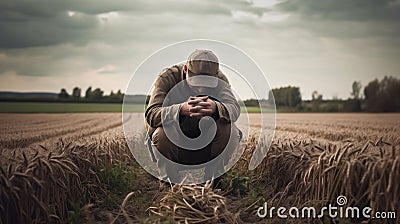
224, 98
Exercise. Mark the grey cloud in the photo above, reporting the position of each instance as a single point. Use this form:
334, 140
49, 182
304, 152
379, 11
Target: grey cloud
65, 59
123, 43
47, 31
50, 8
343, 19
46, 22
345, 29
355, 10
313, 43
40, 62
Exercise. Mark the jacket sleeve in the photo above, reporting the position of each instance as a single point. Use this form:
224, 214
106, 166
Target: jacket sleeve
228, 107
155, 112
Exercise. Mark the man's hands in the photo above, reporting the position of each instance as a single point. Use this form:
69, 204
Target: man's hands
198, 107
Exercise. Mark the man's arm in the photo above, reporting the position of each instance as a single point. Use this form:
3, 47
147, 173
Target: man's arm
228, 108
225, 108
155, 110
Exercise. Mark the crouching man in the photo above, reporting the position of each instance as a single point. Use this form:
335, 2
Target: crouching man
190, 118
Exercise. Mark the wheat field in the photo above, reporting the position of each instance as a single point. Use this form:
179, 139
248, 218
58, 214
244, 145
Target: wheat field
74, 168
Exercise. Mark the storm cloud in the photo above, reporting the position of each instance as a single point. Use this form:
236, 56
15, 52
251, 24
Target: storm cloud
308, 43
45, 22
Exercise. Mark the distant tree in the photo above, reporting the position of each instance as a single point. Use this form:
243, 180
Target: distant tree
251, 103
63, 94
116, 97
271, 97
97, 94
356, 90
287, 96
294, 96
315, 96
316, 101
119, 93
88, 93
76, 93
383, 96
371, 93
351, 105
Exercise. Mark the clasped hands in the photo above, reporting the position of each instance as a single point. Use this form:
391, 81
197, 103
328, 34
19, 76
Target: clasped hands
198, 107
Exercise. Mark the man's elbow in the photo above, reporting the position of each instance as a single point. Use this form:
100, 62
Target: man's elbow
151, 119
236, 113
152, 122
235, 117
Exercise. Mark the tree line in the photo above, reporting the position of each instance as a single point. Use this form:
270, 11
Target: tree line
91, 95
377, 96
383, 95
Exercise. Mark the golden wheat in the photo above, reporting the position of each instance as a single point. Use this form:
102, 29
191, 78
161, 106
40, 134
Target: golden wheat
50, 160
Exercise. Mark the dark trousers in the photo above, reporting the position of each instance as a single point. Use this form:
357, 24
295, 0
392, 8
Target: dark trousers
170, 151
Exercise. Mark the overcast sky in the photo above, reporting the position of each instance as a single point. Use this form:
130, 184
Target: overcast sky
46, 45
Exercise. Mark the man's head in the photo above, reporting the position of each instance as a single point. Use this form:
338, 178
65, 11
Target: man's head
201, 69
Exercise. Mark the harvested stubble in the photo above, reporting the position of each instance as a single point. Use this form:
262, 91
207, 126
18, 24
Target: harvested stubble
193, 204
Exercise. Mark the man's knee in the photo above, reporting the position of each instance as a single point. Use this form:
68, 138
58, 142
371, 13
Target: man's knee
227, 135
163, 145
158, 136
225, 131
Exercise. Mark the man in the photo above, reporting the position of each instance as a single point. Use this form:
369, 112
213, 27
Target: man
190, 117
